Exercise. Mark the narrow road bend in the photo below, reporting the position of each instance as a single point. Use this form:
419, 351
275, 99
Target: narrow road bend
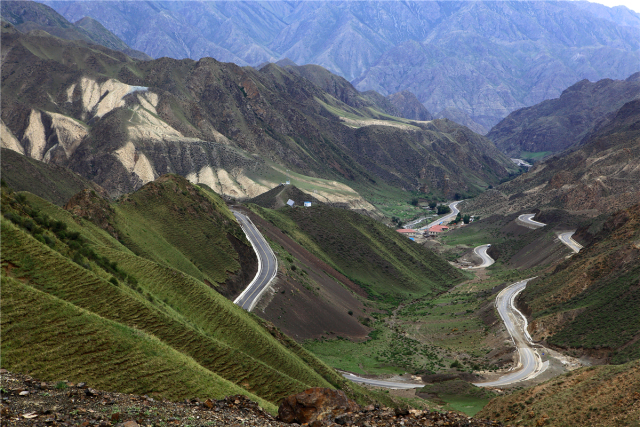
529, 361
267, 264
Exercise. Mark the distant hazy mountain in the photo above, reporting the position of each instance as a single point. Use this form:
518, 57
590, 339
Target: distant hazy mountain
479, 59
557, 124
28, 16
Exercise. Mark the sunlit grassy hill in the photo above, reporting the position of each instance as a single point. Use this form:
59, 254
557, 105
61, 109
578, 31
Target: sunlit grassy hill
81, 305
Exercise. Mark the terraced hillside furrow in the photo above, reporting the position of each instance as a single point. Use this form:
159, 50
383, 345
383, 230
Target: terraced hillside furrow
59, 339
98, 276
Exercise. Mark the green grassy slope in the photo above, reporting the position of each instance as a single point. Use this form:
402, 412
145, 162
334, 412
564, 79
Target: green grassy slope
387, 265
52, 341
176, 224
153, 318
597, 292
51, 182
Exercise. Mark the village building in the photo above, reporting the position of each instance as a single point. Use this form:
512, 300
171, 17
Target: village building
437, 229
409, 232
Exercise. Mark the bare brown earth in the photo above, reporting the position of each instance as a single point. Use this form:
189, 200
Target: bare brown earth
601, 175
593, 396
27, 401
312, 300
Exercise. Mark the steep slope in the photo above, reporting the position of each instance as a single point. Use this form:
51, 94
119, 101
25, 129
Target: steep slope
379, 260
601, 175
597, 396
53, 183
143, 318
123, 123
590, 302
176, 224
506, 55
309, 298
557, 124
30, 15
402, 104
409, 106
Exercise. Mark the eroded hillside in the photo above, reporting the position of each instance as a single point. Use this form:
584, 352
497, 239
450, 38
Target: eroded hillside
123, 123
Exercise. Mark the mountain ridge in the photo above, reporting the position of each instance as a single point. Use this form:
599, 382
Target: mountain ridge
394, 46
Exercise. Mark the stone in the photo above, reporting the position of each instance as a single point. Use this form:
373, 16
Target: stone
130, 423
315, 404
82, 385
24, 393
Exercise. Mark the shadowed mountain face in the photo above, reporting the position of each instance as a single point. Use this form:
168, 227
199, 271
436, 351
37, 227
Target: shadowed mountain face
561, 123
600, 175
28, 16
480, 59
123, 123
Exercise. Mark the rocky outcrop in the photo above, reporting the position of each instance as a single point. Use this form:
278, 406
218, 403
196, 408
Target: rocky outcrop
315, 404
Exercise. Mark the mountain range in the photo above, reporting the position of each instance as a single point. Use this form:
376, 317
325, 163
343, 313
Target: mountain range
479, 60
29, 16
561, 123
122, 123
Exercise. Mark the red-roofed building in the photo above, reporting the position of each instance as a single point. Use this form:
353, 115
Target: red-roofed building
409, 232
437, 229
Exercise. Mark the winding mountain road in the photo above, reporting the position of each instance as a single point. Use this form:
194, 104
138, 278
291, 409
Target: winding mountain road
446, 218
567, 240
380, 383
267, 264
528, 219
564, 237
530, 363
481, 251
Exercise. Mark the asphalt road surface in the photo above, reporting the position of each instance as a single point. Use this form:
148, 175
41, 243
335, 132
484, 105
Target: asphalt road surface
267, 264
481, 251
445, 219
380, 383
528, 219
567, 240
530, 364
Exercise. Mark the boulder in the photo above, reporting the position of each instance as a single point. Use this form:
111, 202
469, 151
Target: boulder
315, 404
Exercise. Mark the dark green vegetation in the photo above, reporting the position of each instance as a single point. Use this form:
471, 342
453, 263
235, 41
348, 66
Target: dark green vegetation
386, 265
102, 314
593, 299
557, 124
460, 395
30, 15
173, 223
51, 182
216, 123
594, 396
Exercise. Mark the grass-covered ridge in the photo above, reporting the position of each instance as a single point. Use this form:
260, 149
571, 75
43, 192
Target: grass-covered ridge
102, 314
387, 265
179, 225
596, 291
